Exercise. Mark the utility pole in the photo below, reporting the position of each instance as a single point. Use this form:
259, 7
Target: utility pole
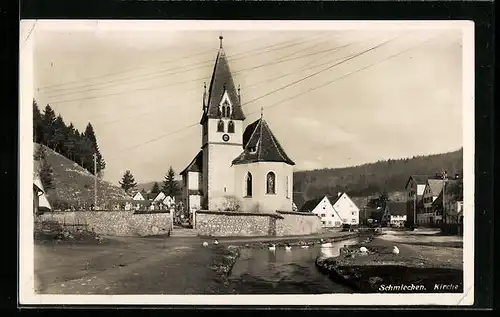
95, 181
444, 200
415, 206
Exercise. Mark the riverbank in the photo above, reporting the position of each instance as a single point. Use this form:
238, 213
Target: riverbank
418, 268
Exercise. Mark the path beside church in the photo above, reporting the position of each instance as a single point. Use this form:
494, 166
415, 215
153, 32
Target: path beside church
135, 266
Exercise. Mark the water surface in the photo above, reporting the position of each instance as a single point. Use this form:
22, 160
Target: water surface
260, 271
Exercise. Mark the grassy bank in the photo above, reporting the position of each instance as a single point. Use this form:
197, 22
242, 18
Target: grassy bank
416, 269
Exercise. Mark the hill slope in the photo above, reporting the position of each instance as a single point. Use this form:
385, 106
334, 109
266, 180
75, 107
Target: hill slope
75, 185
373, 178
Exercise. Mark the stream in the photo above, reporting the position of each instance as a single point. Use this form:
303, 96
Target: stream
260, 271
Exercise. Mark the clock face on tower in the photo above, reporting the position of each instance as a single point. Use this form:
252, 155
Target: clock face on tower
225, 137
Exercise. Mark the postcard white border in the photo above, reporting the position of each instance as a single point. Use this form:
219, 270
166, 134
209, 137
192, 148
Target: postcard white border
27, 296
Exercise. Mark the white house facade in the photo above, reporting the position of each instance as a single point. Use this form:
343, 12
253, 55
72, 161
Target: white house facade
138, 196
236, 168
334, 212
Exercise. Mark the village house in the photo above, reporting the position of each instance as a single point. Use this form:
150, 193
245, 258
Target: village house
138, 196
394, 214
40, 202
334, 211
427, 216
453, 213
160, 197
414, 187
237, 168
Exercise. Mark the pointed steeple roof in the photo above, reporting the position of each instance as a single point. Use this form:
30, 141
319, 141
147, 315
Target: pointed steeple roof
260, 145
221, 82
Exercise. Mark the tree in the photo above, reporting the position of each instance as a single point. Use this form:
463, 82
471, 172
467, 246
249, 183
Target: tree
38, 136
170, 186
48, 121
46, 175
155, 189
90, 136
128, 181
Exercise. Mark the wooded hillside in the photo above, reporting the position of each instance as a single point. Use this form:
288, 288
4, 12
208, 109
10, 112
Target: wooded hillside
373, 178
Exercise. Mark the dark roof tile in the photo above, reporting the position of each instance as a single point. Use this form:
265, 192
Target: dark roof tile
260, 145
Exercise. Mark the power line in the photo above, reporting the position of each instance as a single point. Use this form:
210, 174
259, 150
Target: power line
247, 87
29, 33
282, 60
348, 74
321, 71
196, 124
129, 70
161, 73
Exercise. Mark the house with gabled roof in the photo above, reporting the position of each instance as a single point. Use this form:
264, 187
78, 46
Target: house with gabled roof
236, 168
394, 213
333, 211
415, 186
426, 216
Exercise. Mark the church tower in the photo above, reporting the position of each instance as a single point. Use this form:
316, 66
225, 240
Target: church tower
222, 134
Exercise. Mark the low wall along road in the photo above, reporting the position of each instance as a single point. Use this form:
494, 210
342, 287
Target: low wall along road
114, 223
232, 224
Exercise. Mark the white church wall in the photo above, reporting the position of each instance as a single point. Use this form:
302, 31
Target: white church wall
260, 201
220, 174
193, 180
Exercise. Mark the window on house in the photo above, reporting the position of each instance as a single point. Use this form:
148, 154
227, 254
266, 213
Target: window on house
353, 213
249, 185
271, 183
323, 215
220, 126
230, 127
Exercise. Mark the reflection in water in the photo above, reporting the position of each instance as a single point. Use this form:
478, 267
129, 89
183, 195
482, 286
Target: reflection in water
260, 271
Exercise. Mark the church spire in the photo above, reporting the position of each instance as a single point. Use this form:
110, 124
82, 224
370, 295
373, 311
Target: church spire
222, 83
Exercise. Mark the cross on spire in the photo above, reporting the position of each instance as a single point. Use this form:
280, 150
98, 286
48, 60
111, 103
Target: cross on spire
220, 39
261, 112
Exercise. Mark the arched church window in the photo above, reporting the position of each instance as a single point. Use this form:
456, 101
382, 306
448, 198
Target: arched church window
248, 185
271, 183
228, 111
230, 127
220, 126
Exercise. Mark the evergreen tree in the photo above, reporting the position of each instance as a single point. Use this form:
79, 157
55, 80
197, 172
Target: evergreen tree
71, 140
90, 135
155, 190
170, 186
60, 136
48, 121
46, 175
37, 124
45, 172
128, 181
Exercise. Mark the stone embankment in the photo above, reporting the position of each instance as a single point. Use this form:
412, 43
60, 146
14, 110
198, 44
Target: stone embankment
415, 269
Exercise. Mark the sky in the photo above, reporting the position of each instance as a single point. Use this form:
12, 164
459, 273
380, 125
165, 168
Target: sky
333, 98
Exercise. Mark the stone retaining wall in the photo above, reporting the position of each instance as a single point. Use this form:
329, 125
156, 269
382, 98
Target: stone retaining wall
232, 224
114, 223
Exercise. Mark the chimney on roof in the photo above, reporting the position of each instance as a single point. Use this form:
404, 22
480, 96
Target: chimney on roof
339, 193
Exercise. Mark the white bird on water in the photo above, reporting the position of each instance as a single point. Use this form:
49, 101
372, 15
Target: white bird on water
288, 247
272, 247
205, 244
395, 250
216, 242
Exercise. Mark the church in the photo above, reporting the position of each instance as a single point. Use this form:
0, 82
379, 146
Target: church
238, 168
